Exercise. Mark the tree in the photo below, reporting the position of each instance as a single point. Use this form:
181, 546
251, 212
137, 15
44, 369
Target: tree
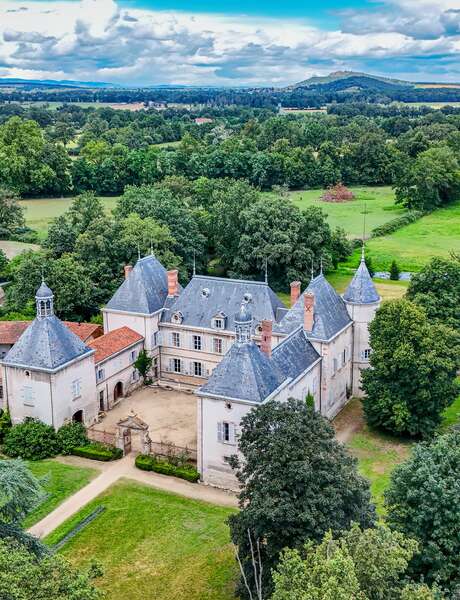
436, 288
20, 493
370, 268
23, 576
11, 212
31, 440
413, 370
430, 181
297, 482
394, 271
367, 564
143, 364
423, 502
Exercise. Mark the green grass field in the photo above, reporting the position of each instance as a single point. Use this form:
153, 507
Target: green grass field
378, 202
41, 211
155, 546
413, 246
60, 482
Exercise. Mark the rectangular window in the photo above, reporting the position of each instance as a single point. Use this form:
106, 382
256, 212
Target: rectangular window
28, 395
218, 323
155, 339
197, 342
344, 357
135, 375
100, 374
366, 354
334, 365
176, 339
217, 345
101, 400
226, 432
133, 356
76, 388
177, 365
197, 369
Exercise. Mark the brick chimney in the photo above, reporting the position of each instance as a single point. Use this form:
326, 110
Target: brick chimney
173, 283
295, 292
128, 269
266, 343
309, 311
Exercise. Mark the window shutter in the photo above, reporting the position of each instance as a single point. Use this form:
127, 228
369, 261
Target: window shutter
232, 431
219, 432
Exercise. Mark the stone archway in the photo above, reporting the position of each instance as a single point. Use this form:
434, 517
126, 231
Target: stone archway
129, 427
77, 417
117, 392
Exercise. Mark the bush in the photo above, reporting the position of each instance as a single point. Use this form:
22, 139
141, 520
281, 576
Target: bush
98, 452
410, 217
5, 424
70, 436
31, 440
149, 463
394, 271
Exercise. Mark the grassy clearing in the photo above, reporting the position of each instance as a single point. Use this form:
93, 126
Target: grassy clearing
60, 482
413, 246
378, 201
12, 249
41, 211
155, 546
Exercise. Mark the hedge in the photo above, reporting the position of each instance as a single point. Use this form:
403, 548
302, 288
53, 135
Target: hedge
410, 217
98, 452
149, 463
31, 440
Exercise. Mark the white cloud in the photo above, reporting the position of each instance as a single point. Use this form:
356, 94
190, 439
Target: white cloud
99, 40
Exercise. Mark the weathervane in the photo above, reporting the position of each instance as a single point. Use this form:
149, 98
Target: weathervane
266, 270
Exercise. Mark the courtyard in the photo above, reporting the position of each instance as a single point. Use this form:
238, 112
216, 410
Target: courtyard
170, 415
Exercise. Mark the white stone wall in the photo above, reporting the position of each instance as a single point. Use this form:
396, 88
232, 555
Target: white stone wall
362, 315
145, 325
50, 397
117, 368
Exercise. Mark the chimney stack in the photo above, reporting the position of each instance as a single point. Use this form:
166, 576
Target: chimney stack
295, 292
128, 269
173, 283
309, 311
266, 343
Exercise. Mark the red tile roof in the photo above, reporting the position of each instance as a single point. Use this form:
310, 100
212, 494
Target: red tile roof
113, 342
85, 331
11, 331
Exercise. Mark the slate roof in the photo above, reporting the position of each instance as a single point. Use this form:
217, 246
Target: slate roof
43, 291
46, 344
361, 289
245, 373
295, 354
225, 295
144, 291
113, 342
330, 312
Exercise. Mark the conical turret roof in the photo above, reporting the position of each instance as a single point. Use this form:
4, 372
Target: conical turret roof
361, 289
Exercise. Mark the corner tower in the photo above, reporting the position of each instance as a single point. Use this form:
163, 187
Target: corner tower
362, 301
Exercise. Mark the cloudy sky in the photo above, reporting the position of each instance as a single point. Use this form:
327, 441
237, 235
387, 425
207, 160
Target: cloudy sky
241, 42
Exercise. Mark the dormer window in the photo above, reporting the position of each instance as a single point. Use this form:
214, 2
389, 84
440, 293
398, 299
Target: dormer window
205, 293
219, 321
259, 329
177, 318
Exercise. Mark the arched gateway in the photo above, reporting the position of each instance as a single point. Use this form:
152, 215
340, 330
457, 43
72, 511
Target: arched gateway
133, 434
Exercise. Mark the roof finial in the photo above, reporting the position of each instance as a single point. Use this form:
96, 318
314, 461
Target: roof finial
266, 270
312, 270
151, 247
138, 252
321, 265
43, 274
194, 263
364, 233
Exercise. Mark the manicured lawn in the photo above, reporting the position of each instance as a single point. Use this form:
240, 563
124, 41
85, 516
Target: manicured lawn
41, 211
451, 415
378, 202
60, 482
413, 246
155, 546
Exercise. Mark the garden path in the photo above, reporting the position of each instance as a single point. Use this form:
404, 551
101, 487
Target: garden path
125, 469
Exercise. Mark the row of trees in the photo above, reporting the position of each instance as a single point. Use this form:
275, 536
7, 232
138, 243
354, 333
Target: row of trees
307, 530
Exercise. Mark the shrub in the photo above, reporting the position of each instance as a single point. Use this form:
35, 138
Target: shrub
150, 463
70, 436
410, 217
394, 271
31, 440
98, 452
5, 424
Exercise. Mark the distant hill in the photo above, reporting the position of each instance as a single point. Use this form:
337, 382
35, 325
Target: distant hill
64, 83
344, 78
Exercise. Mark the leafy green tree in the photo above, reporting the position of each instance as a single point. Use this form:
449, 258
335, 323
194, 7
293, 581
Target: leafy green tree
394, 271
413, 370
143, 234
5, 424
430, 181
71, 435
11, 212
143, 364
436, 288
20, 493
31, 440
23, 576
423, 502
3, 265
368, 564
297, 482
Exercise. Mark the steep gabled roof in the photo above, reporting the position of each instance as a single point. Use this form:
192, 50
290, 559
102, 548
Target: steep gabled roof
361, 289
205, 296
46, 344
144, 291
295, 354
113, 342
245, 373
330, 312
11, 331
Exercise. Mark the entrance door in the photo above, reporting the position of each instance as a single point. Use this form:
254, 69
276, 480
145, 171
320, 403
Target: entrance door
155, 368
118, 392
78, 417
127, 441
101, 401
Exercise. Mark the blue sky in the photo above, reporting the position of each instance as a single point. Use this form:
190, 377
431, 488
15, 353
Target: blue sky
200, 42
